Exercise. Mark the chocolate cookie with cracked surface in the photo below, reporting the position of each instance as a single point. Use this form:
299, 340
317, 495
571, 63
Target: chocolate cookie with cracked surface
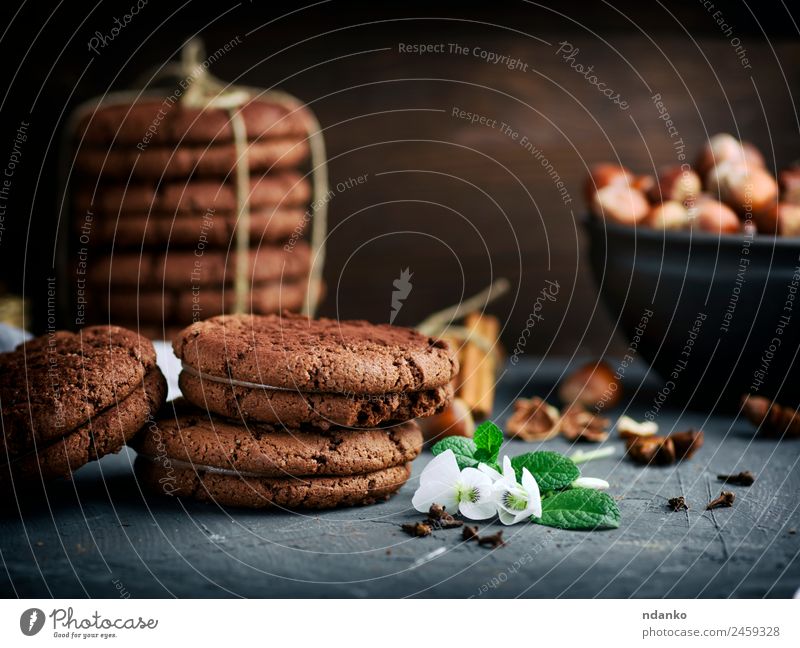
127, 124
182, 480
164, 162
192, 436
293, 370
69, 398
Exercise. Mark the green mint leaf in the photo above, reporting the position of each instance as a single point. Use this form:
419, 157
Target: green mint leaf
552, 471
579, 508
464, 449
488, 441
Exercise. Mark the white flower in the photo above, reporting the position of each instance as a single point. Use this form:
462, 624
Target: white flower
468, 491
590, 482
515, 501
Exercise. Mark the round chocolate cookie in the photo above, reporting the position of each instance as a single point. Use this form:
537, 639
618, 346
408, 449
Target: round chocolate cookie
67, 398
153, 122
201, 197
323, 355
105, 434
182, 480
205, 441
153, 306
218, 160
267, 224
184, 269
323, 410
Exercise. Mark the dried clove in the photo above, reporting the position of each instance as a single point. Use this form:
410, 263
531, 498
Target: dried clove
493, 541
417, 529
678, 503
745, 478
726, 498
771, 419
687, 443
533, 420
470, 533
438, 518
579, 424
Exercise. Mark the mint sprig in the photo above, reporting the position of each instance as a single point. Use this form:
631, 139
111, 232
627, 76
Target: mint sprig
488, 441
579, 509
553, 471
464, 449
563, 505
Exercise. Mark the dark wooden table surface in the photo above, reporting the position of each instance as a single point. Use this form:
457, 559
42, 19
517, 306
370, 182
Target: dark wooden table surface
100, 536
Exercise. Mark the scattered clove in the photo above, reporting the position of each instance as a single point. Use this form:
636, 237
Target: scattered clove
745, 478
418, 529
438, 518
579, 424
771, 419
470, 533
678, 503
533, 420
725, 499
493, 541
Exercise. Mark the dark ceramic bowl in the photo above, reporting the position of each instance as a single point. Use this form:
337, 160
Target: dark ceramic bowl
715, 316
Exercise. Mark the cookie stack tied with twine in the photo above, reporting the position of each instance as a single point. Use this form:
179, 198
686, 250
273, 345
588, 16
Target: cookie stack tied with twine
69, 398
196, 204
292, 412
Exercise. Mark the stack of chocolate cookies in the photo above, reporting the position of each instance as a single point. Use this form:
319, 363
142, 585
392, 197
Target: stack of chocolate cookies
69, 398
155, 212
283, 411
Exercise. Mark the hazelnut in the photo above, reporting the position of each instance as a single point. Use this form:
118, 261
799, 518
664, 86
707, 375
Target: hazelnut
752, 156
719, 148
455, 420
710, 215
604, 174
628, 428
657, 450
687, 443
790, 185
591, 385
669, 215
644, 183
747, 189
676, 183
621, 204
782, 219
533, 420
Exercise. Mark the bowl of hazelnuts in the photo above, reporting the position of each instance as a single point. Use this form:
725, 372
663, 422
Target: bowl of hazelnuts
700, 267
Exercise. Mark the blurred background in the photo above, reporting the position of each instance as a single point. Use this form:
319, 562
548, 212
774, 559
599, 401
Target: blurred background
458, 200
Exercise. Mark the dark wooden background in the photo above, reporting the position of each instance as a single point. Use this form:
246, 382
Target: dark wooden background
458, 204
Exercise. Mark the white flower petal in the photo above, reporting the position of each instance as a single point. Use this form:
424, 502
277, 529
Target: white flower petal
480, 510
435, 492
532, 489
509, 518
442, 468
475, 477
590, 482
491, 472
508, 469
